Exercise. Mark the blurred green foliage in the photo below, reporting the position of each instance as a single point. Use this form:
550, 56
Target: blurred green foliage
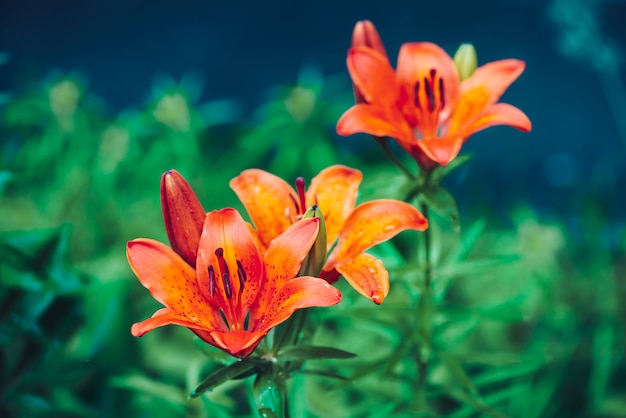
529, 317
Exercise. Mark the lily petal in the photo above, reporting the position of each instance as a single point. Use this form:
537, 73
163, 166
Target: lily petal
235, 289
500, 114
368, 276
298, 293
238, 343
417, 59
331, 183
271, 203
494, 78
371, 223
483, 89
286, 252
441, 150
374, 120
162, 317
372, 74
170, 280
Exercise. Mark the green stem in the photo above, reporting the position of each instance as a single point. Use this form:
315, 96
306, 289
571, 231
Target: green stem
384, 146
425, 310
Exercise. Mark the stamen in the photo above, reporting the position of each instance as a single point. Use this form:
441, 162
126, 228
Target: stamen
301, 194
219, 252
416, 94
442, 96
430, 94
211, 281
241, 273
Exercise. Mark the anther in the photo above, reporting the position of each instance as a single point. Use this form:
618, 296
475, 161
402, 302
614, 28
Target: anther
211, 281
228, 290
430, 94
416, 94
442, 96
241, 273
301, 194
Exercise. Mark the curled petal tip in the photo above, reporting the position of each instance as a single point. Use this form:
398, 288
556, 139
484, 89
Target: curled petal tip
137, 330
377, 298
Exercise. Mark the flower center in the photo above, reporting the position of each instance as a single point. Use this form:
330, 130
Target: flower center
224, 272
429, 101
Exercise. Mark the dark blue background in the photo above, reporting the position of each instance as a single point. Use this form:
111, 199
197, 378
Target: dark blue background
243, 47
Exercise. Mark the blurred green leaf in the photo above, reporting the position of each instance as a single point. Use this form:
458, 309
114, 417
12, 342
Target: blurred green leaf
440, 172
223, 374
309, 352
172, 395
443, 203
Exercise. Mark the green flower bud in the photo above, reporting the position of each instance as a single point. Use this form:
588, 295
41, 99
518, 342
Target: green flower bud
465, 60
314, 262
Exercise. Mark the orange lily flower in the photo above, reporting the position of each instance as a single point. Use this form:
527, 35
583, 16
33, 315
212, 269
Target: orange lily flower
423, 104
237, 293
273, 206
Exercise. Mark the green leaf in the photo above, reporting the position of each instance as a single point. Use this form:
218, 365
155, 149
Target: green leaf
170, 394
456, 370
310, 352
324, 373
443, 203
5, 176
442, 171
221, 375
468, 241
269, 394
602, 364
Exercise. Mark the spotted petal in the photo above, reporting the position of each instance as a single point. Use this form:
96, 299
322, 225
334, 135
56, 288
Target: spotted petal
298, 293
170, 280
331, 183
368, 276
282, 262
230, 281
372, 223
271, 203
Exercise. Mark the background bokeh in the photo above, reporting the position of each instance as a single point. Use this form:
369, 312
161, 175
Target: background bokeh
98, 98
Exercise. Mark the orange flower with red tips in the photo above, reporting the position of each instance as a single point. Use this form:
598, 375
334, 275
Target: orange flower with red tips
423, 104
273, 206
237, 292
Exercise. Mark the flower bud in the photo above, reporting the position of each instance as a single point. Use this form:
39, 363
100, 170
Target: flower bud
313, 263
365, 34
465, 60
183, 215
